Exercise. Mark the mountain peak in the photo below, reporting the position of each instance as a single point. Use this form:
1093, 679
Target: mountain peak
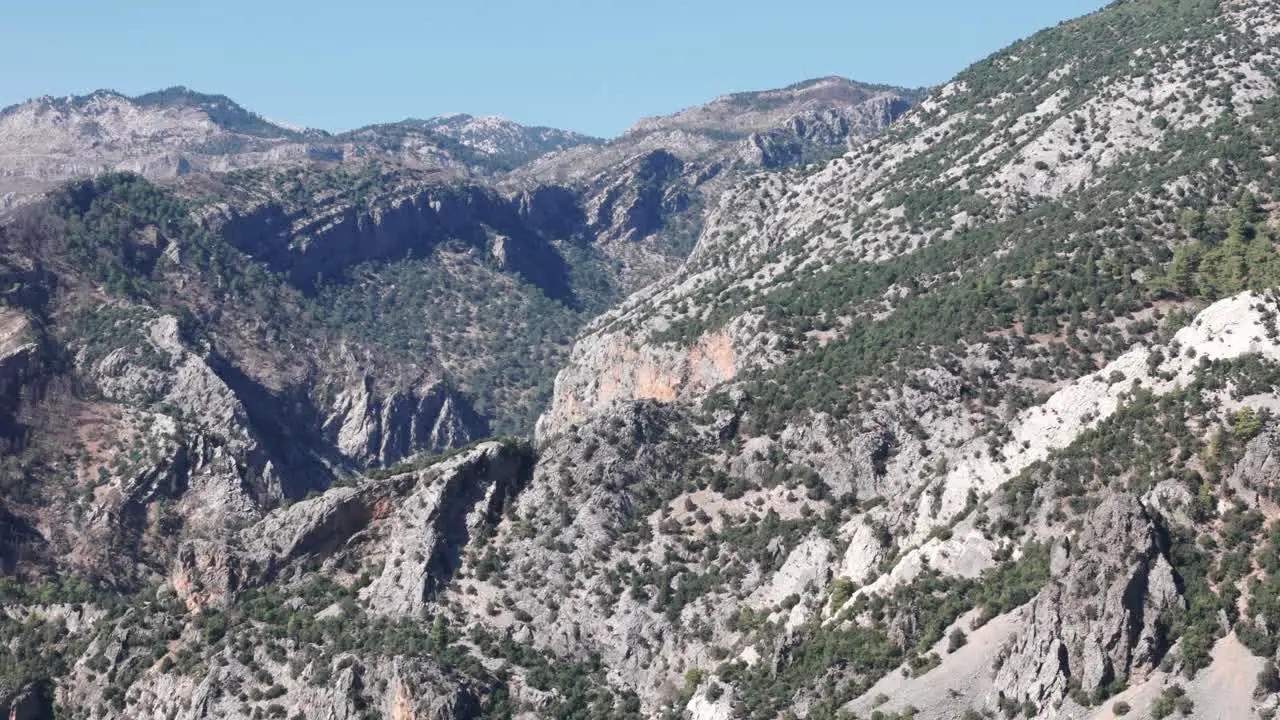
758, 110
221, 110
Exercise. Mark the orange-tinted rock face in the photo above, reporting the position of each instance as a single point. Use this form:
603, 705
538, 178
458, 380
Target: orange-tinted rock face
205, 575
613, 370
709, 363
402, 709
717, 353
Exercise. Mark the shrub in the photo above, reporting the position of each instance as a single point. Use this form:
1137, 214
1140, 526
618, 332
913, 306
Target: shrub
841, 591
1173, 699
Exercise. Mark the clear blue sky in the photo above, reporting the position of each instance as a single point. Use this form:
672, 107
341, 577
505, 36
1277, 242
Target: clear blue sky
588, 65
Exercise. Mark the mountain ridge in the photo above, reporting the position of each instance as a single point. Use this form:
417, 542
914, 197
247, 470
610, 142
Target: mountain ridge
430, 142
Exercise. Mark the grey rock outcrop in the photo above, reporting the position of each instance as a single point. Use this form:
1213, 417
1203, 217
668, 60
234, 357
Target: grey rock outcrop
1258, 471
1104, 616
415, 523
149, 365
382, 431
209, 572
424, 537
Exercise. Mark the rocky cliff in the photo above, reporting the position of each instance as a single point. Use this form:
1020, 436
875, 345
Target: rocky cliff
326, 236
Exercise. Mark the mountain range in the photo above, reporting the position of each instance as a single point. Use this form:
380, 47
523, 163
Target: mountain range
831, 401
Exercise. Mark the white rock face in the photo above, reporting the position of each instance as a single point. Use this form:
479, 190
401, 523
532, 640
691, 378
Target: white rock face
1228, 329
702, 707
967, 553
865, 550
806, 569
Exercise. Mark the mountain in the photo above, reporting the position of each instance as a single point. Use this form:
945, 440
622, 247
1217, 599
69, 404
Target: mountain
162, 134
649, 185
758, 129
662, 175
996, 387
178, 131
274, 319
388, 206
974, 419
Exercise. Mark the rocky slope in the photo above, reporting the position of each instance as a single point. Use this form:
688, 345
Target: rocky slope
662, 175
976, 420
976, 160
165, 134
969, 307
